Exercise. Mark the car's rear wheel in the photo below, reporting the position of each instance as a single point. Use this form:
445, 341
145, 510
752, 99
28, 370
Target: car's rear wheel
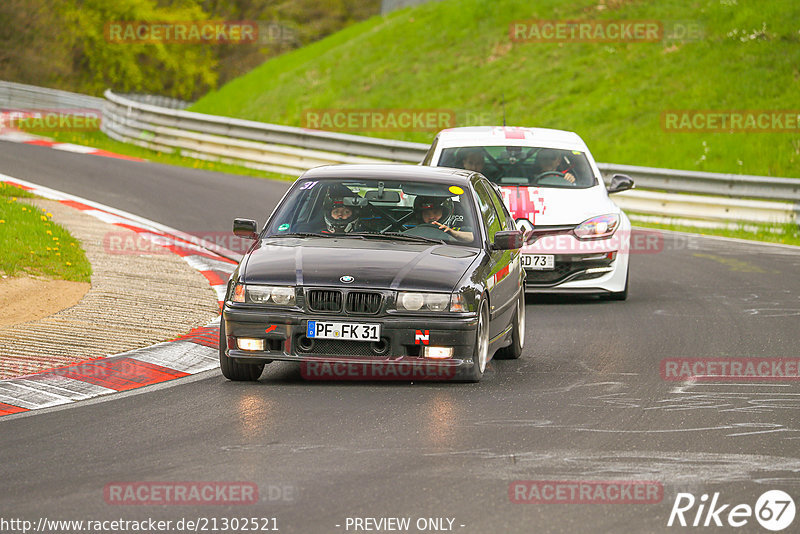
514, 351
234, 370
480, 356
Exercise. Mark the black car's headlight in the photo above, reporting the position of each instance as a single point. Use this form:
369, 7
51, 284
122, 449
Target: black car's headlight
258, 294
415, 301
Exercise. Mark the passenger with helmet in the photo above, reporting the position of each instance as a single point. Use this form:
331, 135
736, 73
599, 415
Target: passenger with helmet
437, 211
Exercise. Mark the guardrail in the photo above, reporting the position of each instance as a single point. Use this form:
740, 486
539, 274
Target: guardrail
249, 141
290, 150
158, 100
22, 96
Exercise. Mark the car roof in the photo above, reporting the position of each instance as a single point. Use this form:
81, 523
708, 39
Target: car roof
510, 136
392, 171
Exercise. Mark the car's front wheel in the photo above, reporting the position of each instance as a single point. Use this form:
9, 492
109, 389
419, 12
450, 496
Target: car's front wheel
514, 351
480, 356
233, 370
621, 295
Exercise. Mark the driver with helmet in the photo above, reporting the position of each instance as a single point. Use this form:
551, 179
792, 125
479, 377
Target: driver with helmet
339, 218
436, 211
548, 161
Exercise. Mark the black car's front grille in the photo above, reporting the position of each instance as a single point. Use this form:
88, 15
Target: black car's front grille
324, 300
363, 302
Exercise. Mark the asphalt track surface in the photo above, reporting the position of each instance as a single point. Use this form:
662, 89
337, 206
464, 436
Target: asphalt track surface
586, 401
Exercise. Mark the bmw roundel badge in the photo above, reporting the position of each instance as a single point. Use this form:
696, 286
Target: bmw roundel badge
347, 279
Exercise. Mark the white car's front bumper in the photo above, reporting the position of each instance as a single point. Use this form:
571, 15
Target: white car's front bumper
581, 266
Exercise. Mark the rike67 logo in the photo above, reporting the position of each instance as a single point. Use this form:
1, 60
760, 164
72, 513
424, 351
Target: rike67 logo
774, 510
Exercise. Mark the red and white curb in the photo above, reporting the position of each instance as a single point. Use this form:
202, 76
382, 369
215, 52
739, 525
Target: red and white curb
16, 136
192, 353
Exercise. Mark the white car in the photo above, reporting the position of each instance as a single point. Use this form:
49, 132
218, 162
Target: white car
579, 240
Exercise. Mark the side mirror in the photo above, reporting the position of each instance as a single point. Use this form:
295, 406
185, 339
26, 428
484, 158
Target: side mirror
246, 228
507, 240
620, 182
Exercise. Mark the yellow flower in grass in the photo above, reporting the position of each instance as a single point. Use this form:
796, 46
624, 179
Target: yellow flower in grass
42, 217
49, 232
55, 239
58, 254
49, 214
2, 221
68, 263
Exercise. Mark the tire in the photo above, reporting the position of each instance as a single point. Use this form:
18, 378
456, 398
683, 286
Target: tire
480, 356
514, 351
621, 295
234, 370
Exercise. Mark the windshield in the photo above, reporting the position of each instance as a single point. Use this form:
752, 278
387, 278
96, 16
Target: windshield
377, 209
519, 165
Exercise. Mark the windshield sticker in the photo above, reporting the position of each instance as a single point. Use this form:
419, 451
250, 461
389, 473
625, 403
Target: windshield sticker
308, 185
456, 190
283, 227
577, 152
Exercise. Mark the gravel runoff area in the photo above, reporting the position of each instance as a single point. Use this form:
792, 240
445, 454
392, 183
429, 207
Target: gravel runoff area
135, 300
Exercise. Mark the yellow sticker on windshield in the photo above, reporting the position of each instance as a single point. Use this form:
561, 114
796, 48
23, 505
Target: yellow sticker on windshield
576, 152
456, 190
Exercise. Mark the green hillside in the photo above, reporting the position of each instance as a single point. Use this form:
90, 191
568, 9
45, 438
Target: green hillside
458, 55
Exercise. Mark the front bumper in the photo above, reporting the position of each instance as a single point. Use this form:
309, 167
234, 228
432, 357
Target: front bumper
403, 339
571, 267
581, 266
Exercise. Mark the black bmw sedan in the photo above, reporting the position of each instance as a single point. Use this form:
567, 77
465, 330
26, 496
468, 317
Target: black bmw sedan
378, 272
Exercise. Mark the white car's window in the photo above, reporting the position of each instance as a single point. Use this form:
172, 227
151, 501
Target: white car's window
526, 166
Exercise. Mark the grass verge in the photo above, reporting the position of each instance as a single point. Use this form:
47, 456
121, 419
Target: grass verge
458, 55
32, 244
785, 234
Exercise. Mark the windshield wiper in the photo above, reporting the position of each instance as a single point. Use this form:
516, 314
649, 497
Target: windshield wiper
299, 234
418, 238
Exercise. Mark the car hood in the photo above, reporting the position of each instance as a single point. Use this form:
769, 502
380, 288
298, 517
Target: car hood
550, 206
374, 264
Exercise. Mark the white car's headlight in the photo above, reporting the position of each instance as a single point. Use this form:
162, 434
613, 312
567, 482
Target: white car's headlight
255, 294
598, 227
435, 302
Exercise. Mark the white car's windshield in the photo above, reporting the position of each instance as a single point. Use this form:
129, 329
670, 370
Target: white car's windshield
527, 166
377, 209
